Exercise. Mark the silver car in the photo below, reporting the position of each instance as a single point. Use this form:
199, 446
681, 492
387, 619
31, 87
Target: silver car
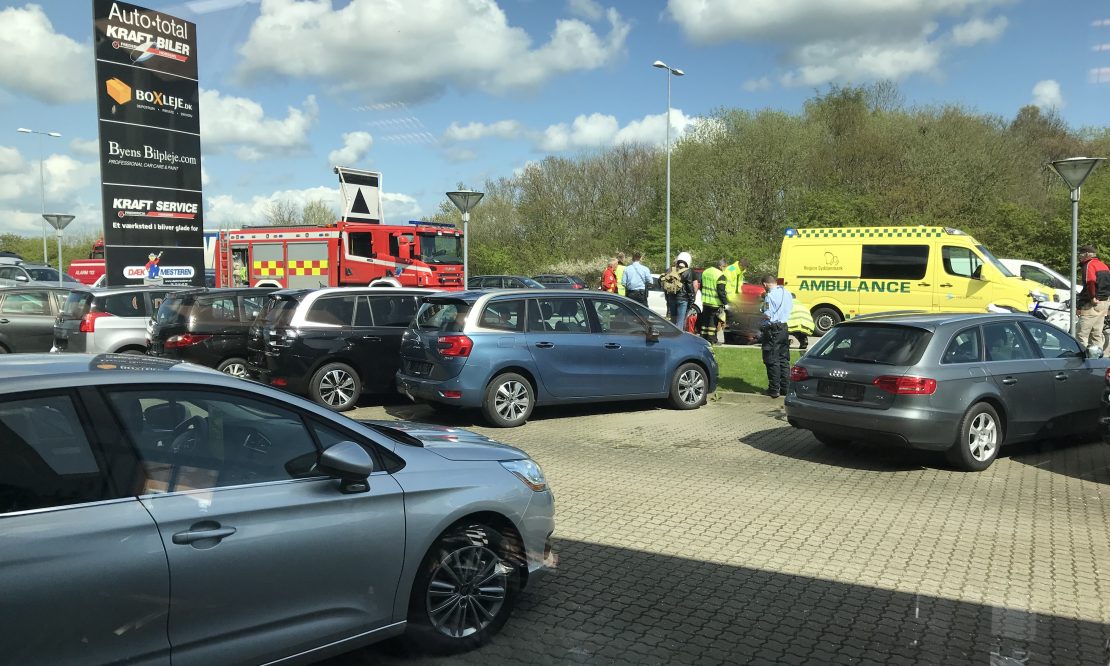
155, 511
959, 383
112, 320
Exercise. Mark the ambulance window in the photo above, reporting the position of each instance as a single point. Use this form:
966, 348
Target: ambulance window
962, 262
894, 262
360, 244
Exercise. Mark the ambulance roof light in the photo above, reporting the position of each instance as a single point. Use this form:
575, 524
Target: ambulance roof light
953, 232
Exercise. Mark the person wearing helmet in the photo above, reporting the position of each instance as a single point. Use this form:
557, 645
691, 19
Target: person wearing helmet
685, 301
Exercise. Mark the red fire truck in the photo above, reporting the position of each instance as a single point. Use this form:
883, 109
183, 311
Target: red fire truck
89, 270
358, 250
343, 254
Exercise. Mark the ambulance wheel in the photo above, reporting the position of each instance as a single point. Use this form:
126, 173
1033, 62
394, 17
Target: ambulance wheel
825, 318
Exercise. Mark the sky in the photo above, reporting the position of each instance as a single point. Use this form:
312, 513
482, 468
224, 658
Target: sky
434, 93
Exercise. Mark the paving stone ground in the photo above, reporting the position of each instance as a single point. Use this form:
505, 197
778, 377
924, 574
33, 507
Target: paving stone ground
725, 536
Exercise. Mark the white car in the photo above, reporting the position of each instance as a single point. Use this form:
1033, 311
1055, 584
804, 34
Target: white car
1037, 272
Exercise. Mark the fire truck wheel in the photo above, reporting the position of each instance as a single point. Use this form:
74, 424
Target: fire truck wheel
336, 386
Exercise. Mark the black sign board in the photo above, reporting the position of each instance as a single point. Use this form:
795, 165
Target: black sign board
148, 102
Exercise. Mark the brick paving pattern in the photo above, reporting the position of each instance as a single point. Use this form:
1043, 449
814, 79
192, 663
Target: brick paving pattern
724, 536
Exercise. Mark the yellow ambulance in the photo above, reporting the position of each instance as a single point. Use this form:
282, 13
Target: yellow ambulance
849, 271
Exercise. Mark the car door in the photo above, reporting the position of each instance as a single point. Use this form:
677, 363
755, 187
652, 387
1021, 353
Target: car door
266, 558
569, 359
1023, 380
27, 321
634, 365
82, 567
1078, 381
960, 287
380, 321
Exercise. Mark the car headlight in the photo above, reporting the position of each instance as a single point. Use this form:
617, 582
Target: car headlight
1038, 296
528, 472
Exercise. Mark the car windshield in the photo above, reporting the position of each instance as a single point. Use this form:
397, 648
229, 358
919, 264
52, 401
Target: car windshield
440, 249
446, 315
994, 261
879, 344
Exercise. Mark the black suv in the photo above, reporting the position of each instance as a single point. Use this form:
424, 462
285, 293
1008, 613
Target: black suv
207, 326
331, 344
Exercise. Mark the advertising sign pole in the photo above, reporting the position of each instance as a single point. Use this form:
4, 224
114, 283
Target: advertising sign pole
149, 120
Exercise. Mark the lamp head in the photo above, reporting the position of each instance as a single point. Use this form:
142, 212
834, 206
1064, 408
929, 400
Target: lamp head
658, 63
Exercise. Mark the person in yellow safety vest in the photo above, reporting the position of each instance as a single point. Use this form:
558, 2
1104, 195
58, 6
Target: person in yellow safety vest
620, 273
714, 298
800, 324
734, 280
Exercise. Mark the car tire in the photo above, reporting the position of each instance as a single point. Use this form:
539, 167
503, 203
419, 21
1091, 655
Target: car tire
508, 401
441, 620
689, 387
236, 367
335, 386
829, 440
825, 318
978, 439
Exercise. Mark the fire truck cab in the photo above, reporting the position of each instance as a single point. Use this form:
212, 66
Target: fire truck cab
357, 250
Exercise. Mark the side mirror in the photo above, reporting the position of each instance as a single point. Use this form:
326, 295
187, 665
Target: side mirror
654, 332
350, 463
22, 278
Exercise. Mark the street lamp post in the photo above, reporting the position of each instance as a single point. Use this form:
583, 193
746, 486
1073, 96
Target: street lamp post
464, 200
59, 222
1074, 171
42, 183
670, 72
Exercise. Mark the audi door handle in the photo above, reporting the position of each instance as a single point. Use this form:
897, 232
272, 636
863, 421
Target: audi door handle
612, 345
371, 338
3, 321
1009, 381
190, 536
1061, 377
545, 345
946, 284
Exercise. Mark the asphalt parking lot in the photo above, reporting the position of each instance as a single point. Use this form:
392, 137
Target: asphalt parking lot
724, 536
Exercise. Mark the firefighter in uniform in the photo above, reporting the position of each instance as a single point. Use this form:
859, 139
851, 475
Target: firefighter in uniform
714, 298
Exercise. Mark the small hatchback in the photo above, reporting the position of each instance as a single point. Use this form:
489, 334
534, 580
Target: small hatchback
332, 344
207, 326
27, 315
506, 352
960, 383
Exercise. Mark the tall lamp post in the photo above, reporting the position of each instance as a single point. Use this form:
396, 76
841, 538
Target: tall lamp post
671, 71
42, 183
1074, 171
464, 200
59, 222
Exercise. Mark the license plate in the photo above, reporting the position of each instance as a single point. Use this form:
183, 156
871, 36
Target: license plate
419, 368
831, 388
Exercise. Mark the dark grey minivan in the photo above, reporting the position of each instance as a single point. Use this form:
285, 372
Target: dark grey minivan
959, 383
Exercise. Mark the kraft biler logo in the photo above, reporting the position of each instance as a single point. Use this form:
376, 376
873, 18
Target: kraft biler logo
147, 34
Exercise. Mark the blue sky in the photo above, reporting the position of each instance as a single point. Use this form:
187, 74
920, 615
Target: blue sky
436, 92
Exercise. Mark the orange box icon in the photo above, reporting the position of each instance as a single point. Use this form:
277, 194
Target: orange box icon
118, 90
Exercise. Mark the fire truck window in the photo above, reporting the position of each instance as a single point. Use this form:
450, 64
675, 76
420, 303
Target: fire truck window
395, 244
360, 244
336, 311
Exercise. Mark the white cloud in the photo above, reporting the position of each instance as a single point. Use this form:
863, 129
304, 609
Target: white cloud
90, 148
752, 85
847, 40
600, 130
238, 121
356, 145
422, 47
459, 154
977, 30
587, 9
39, 62
10, 161
502, 129
226, 209
1047, 95
400, 208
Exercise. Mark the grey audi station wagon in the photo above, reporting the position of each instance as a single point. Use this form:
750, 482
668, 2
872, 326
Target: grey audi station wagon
959, 383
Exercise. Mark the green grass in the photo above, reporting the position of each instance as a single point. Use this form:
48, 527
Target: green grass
741, 369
